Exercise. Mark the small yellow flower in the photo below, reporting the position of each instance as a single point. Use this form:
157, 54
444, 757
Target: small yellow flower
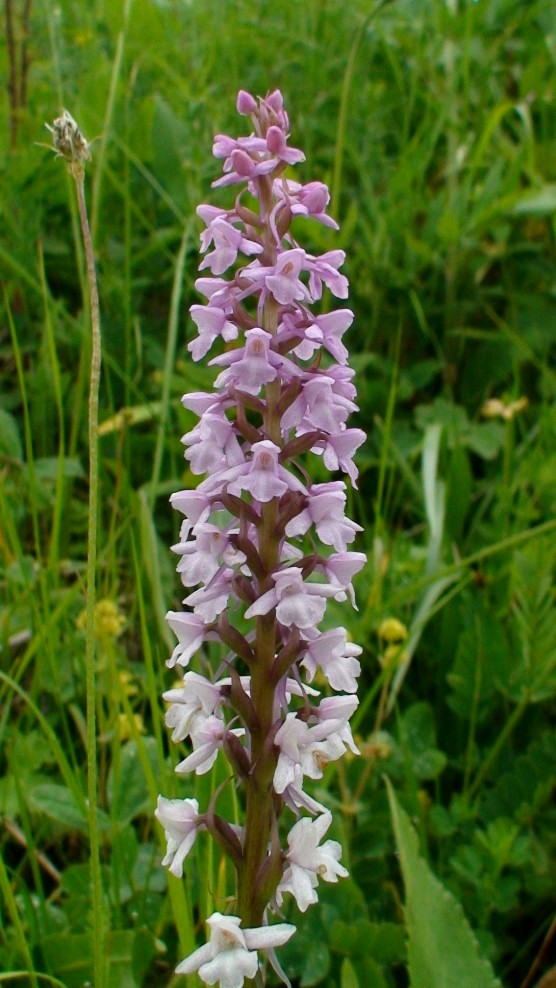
83, 38
424, 800
393, 657
125, 729
109, 620
127, 684
392, 630
496, 408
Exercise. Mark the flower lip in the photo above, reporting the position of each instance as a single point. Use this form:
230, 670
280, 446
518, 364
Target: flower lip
231, 953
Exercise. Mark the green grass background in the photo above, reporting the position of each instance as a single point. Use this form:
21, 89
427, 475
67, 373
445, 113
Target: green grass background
434, 124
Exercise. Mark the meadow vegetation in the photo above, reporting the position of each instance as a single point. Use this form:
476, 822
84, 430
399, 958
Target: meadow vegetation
434, 124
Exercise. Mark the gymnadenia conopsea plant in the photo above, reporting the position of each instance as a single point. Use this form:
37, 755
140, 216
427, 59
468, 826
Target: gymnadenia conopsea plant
263, 549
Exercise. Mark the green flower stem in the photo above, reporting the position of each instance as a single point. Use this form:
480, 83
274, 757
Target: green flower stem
99, 930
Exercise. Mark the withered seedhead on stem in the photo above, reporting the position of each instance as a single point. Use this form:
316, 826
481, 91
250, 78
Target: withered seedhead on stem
68, 142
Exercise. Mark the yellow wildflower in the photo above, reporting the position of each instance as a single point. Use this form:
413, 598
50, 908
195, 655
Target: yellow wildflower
392, 630
125, 729
393, 657
109, 620
127, 684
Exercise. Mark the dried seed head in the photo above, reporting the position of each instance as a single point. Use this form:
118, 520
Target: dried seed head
68, 141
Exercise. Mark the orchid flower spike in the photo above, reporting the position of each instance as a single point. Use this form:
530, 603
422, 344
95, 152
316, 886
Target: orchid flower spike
262, 549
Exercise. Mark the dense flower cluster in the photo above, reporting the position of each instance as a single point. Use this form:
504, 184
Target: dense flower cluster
262, 549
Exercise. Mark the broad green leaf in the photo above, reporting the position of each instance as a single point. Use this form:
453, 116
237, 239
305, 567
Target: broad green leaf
306, 957
142, 952
70, 957
58, 803
30, 753
316, 966
121, 973
442, 948
418, 740
75, 882
128, 793
384, 942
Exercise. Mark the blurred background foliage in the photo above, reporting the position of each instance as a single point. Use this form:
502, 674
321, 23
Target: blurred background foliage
434, 124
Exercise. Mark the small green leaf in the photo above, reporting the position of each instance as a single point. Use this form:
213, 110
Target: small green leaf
369, 973
46, 468
418, 727
442, 949
429, 764
75, 881
10, 442
486, 439
30, 753
348, 976
440, 821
